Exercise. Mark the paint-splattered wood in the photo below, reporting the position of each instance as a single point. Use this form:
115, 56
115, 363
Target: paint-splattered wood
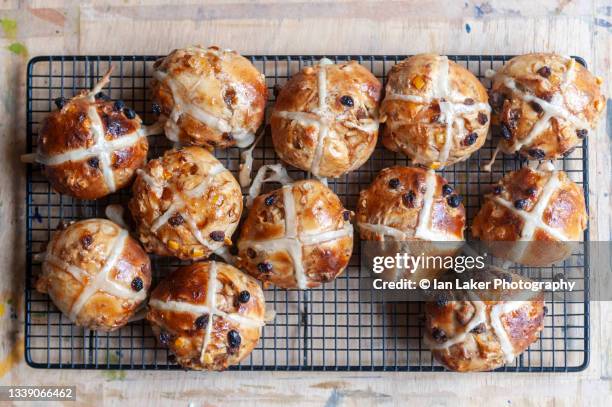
94, 27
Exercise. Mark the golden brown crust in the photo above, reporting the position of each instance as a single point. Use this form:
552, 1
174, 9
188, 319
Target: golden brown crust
319, 215
564, 215
87, 246
222, 84
184, 332
349, 115
396, 198
416, 125
474, 335
69, 129
185, 204
546, 77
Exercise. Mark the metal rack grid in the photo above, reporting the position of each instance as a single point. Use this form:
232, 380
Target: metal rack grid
327, 328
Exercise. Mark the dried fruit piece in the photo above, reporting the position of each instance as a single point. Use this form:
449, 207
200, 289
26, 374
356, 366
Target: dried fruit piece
544, 72
244, 296
447, 189
201, 321
394, 183
233, 339
137, 284
418, 82
520, 203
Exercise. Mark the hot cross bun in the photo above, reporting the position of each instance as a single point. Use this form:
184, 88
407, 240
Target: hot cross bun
483, 331
209, 97
208, 314
91, 146
325, 119
434, 110
298, 236
185, 204
96, 274
545, 104
532, 216
410, 203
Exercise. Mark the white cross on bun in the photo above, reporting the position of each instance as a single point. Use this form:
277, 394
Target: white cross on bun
185, 204
299, 236
435, 111
410, 203
96, 274
208, 314
545, 104
542, 211
482, 331
91, 146
325, 119
209, 97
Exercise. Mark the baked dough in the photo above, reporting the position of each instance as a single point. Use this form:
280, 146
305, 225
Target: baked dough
411, 210
545, 104
476, 334
542, 211
185, 204
209, 97
298, 236
325, 119
434, 110
95, 273
91, 146
410, 203
208, 314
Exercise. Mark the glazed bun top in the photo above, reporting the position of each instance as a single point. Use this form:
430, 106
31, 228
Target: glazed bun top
298, 236
209, 97
95, 273
410, 203
545, 104
208, 314
325, 119
486, 328
531, 205
436, 111
185, 204
91, 146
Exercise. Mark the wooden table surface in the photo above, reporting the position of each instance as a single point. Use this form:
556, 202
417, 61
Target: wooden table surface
38, 27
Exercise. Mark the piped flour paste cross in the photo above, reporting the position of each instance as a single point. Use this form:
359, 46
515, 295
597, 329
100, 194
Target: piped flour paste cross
292, 242
452, 105
322, 118
184, 104
101, 148
100, 282
532, 220
209, 308
178, 204
423, 230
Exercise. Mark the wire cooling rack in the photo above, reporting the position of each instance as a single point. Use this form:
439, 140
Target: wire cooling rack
327, 328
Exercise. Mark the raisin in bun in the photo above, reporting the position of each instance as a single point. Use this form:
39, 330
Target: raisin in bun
545, 104
325, 119
532, 216
434, 110
208, 314
185, 204
298, 236
91, 146
484, 331
96, 274
209, 97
